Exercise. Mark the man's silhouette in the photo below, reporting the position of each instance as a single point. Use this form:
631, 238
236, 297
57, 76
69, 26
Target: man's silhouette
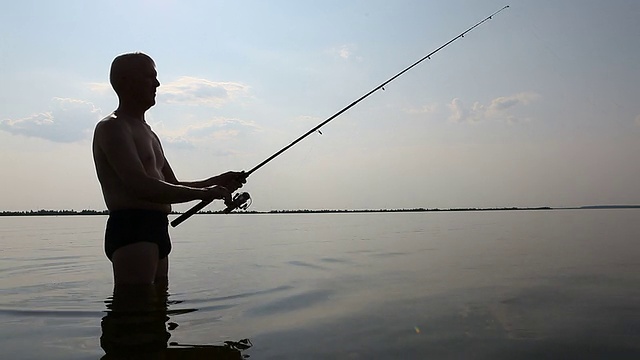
137, 182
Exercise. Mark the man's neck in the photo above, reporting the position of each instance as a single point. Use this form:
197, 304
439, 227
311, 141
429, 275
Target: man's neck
130, 112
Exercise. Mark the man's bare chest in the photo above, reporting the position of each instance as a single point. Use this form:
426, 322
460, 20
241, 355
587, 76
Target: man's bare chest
148, 147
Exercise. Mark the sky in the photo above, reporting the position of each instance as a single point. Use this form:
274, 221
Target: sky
537, 107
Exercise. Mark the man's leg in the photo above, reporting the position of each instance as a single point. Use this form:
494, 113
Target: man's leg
162, 271
135, 263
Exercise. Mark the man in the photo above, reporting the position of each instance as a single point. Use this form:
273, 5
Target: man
137, 182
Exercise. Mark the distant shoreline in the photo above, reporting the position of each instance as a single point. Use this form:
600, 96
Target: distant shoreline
43, 212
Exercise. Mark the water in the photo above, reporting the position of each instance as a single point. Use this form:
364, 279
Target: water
561, 284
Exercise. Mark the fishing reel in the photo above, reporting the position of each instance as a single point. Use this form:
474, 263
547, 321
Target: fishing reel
239, 201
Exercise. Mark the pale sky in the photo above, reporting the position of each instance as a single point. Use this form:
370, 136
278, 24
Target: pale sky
538, 107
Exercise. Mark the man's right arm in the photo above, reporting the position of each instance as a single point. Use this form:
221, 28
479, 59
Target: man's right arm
116, 143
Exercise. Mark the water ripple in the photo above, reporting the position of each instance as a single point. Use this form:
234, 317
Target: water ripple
239, 296
50, 313
292, 303
304, 264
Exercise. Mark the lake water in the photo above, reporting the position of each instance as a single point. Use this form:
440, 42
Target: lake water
558, 284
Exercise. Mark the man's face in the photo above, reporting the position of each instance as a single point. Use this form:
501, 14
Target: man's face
143, 84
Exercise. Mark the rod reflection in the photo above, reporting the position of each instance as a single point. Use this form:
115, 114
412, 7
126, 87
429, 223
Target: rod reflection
137, 326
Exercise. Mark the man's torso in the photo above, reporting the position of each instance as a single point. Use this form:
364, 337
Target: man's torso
117, 194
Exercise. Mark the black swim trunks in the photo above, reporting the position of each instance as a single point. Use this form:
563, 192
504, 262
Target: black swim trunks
126, 227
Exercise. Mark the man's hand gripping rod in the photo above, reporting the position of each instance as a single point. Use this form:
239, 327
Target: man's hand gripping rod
239, 200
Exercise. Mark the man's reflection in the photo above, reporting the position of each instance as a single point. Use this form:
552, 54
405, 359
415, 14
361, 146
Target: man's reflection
135, 327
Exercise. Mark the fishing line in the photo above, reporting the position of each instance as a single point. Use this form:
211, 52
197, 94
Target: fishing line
240, 199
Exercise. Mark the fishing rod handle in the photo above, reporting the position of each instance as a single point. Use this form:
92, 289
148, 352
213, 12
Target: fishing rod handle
177, 221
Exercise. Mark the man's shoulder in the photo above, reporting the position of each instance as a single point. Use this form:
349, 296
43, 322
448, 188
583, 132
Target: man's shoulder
107, 120
111, 126
111, 121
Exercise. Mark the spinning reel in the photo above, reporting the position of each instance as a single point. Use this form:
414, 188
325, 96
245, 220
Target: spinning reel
240, 201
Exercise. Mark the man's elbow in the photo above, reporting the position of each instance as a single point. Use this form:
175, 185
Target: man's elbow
145, 188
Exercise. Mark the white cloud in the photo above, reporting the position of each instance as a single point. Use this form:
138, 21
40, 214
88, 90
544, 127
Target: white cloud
69, 120
101, 88
308, 119
194, 91
177, 142
216, 130
459, 112
498, 109
506, 102
344, 51
425, 109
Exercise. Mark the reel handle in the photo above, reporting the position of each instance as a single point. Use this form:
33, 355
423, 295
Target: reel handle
239, 202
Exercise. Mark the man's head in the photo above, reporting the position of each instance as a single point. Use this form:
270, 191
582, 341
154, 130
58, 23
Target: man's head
134, 79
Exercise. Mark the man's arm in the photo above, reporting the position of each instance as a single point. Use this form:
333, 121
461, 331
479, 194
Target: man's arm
232, 180
120, 151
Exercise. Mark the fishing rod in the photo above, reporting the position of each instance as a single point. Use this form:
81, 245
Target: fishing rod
240, 199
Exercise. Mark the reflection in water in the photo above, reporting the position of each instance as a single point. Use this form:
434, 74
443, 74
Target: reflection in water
137, 323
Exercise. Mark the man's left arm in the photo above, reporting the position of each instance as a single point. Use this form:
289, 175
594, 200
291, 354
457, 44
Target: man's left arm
232, 180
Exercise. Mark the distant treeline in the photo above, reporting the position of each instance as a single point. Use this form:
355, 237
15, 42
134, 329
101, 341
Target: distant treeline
610, 207
43, 212
402, 210
53, 212
106, 212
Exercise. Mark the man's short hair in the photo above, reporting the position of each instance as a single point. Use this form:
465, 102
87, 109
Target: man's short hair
126, 65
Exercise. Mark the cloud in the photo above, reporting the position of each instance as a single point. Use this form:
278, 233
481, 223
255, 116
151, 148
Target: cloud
213, 131
503, 103
344, 51
101, 88
498, 109
176, 142
460, 113
68, 120
308, 119
425, 109
193, 91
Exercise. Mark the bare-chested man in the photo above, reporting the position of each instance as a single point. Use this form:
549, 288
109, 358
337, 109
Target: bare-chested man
137, 182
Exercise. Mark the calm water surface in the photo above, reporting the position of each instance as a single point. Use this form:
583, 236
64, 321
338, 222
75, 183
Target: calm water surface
561, 284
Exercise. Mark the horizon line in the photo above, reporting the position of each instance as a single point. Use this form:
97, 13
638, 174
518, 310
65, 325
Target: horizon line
276, 211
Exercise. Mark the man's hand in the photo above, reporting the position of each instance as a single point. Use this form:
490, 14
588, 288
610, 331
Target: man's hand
232, 180
216, 192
